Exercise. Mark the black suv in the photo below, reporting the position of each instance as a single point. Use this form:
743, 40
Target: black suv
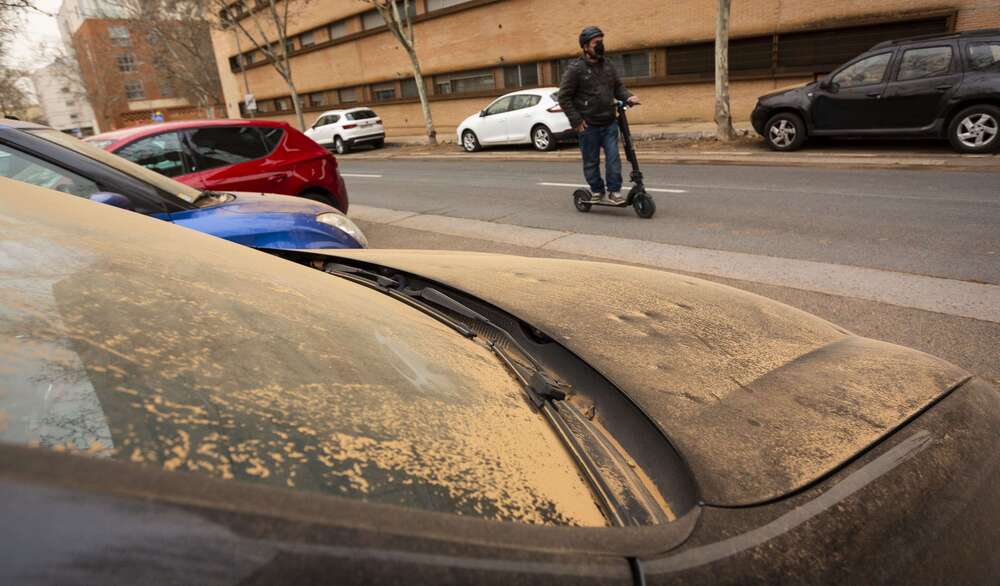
931, 86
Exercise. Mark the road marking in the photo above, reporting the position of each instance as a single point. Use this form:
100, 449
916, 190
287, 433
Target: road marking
364, 175
654, 189
947, 296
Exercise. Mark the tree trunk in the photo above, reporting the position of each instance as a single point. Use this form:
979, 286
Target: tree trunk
723, 117
425, 105
296, 104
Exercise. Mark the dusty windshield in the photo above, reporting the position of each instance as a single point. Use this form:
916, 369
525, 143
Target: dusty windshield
185, 192
257, 370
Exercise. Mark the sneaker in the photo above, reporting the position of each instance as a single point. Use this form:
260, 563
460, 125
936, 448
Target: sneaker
616, 197
597, 197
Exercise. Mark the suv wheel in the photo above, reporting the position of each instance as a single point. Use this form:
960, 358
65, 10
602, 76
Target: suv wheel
469, 141
340, 146
975, 129
785, 132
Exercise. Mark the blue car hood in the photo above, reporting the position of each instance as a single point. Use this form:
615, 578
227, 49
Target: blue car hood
267, 203
267, 221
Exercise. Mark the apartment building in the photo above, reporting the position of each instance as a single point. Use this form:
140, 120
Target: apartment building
474, 50
121, 65
62, 102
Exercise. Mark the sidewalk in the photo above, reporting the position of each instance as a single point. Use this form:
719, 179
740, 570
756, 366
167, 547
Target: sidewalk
695, 143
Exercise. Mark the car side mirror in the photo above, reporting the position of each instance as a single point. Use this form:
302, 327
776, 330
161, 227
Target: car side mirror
112, 199
482, 114
828, 85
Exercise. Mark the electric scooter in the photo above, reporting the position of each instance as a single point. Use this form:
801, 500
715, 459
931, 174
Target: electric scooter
637, 197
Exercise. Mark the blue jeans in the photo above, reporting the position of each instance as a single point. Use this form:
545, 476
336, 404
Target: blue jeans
592, 140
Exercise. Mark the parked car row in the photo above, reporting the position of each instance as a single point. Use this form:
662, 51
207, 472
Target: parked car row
219, 200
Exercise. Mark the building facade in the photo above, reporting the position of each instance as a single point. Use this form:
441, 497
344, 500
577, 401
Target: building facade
473, 50
63, 102
122, 64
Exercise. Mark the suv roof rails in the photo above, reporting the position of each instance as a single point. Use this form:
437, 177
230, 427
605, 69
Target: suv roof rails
984, 32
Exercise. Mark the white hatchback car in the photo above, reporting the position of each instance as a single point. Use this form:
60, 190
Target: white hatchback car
524, 117
345, 129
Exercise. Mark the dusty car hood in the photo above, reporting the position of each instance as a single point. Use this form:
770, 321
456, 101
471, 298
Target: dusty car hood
760, 398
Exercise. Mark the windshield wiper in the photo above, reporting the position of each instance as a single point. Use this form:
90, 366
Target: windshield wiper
631, 503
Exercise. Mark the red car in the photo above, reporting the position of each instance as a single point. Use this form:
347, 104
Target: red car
233, 155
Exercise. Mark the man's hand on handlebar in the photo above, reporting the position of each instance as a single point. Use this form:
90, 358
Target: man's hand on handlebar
632, 101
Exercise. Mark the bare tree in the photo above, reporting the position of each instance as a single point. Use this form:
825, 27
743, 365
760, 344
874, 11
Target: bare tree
401, 27
179, 42
84, 66
723, 116
265, 25
13, 97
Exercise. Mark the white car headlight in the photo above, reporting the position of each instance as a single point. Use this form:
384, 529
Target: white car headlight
341, 222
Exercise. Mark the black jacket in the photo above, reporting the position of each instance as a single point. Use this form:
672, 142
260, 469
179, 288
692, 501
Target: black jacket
588, 92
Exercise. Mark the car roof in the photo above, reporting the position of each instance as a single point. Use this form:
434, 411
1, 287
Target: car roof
20, 124
986, 32
150, 129
345, 111
540, 91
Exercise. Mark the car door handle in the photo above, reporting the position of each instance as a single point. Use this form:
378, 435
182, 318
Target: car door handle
278, 177
944, 87
874, 94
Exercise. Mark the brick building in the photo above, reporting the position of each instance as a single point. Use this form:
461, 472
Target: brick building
474, 50
121, 66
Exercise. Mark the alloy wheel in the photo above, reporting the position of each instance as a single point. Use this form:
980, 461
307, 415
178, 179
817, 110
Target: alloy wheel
542, 139
783, 133
978, 130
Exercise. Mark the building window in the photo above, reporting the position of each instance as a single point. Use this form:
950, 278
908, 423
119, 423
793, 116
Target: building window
317, 99
372, 18
433, 5
265, 106
562, 65
283, 104
349, 95
134, 90
166, 89
469, 81
338, 29
408, 88
126, 63
384, 91
631, 64
524, 75
70, 104
64, 89
119, 36
307, 39
74, 116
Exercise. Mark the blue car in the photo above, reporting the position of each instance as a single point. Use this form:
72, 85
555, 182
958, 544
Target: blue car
48, 158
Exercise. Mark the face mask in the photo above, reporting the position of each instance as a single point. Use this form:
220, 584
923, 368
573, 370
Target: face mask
599, 49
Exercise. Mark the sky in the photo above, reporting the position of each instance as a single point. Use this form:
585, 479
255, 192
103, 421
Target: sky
37, 29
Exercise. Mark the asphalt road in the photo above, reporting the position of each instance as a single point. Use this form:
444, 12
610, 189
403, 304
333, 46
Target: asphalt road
911, 257
940, 224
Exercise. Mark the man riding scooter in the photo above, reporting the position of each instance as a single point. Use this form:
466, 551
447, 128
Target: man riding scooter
587, 95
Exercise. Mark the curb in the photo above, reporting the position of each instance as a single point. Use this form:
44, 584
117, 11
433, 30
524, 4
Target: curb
743, 158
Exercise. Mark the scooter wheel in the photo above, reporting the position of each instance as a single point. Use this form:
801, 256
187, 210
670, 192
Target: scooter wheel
581, 199
644, 206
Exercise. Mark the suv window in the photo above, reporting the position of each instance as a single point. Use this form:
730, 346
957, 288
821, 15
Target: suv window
524, 101
218, 146
500, 106
984, 56
161, 153
361, 115
924, 62
21, 166
865, 72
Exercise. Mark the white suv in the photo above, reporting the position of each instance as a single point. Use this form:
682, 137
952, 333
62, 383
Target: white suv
345, 129
525, 117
